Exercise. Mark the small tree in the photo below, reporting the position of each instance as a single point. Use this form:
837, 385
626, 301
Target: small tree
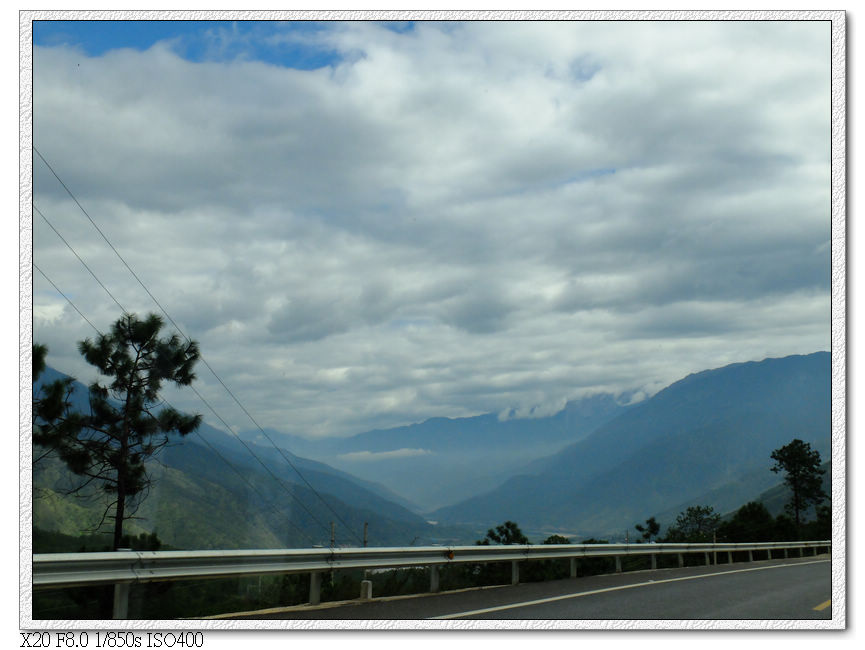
751, 523
542, 570
696, 524
803, 475
785, 528
507, 533
495, 572
128, 423
650, 530
821, 527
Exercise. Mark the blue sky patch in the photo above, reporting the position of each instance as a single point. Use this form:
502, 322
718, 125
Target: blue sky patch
291, 44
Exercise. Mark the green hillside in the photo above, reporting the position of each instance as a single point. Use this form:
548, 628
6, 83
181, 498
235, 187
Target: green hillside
218, 495
202, 506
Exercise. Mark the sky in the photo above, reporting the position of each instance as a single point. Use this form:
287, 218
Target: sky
367, 224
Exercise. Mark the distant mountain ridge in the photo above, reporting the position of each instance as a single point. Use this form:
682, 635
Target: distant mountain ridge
199, 501
442, 460
595, 468
706, 430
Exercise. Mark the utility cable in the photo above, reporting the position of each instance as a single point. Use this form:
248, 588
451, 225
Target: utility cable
65, 296
204, 440
261, 462
123, 309
203, 360
69, 246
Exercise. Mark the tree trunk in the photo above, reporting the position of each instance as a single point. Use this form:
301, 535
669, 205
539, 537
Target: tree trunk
118, 517
120, 512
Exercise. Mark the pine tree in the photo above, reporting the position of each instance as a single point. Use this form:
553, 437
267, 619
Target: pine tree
650, 530
696, 524
54, 420
506, 533
804, 476
128, 423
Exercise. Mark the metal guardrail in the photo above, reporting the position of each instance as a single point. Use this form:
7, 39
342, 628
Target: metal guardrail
123, 568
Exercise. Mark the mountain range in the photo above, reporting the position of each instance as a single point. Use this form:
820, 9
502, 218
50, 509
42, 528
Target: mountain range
444, 460
212, 490
704, 439
595, 468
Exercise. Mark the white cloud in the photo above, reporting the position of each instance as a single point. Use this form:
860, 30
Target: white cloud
460, 219
372, 456
543, 410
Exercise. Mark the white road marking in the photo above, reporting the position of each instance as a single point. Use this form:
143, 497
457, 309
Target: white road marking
606, 589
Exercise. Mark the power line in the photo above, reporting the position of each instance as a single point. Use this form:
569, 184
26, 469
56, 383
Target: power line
203, 360
69, 246
255, 489
65, 296
193, 388
254, 455
93, 223
202, 438
278, 449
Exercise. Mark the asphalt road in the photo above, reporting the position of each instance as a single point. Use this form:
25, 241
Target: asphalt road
793, 589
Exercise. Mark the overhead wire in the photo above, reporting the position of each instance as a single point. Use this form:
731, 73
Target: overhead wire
69, 246
254, 455
51, 282
200, 437
201, 357
125, 311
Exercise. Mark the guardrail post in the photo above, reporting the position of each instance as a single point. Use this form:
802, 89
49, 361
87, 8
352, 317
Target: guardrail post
785, 553
573, 567
515, 572
708, 561
120, 609
654, 561
729, 557
434, 578
681, 560
618, 564
750, 555
366, 589
315, 588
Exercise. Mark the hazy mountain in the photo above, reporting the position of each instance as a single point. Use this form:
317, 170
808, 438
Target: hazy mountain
354, 492
199, 501
709, 430
595, 468
443, 460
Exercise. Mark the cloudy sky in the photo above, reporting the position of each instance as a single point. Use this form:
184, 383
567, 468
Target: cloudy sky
366, 224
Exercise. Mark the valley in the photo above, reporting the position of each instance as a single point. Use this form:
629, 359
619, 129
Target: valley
591, 470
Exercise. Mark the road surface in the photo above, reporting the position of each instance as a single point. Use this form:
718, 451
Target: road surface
792, 589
